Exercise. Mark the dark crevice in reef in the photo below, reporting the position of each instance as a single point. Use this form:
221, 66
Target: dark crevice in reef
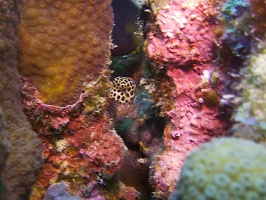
143, 140
125, 26
139, 123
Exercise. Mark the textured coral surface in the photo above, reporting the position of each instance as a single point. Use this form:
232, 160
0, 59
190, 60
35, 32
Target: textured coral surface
183, 33
62, 44
158, 109
225, 168
78, 144
24, 159
183, 44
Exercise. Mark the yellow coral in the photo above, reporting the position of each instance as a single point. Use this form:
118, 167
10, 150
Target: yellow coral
64, 44
61, 145
123, 90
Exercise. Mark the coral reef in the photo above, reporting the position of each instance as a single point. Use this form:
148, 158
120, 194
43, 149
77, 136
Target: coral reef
64, 44
236, 17
250, 119
135, 174
174, 39
139, 122
128, 138
225, 168
78, 144
186, 56
24, 161
124, 65
141, 133
129, 193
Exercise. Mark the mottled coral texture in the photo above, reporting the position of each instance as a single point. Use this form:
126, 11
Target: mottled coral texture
24, 160
182, 42
225, 168
64, 44
78, 144
183, 33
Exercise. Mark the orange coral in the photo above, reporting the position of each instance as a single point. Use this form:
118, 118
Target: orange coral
64, 44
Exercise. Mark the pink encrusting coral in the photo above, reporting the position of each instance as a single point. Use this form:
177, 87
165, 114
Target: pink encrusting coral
183, 33
192, 122
79, 147
183, 42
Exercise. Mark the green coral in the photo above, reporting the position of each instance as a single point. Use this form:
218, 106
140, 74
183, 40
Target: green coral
250, 114
225, 168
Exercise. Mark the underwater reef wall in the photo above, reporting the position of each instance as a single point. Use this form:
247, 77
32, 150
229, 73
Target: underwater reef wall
214, 52
24, 160
64, 44
249, 117
182, 41
63, 58
125, 139
78, 144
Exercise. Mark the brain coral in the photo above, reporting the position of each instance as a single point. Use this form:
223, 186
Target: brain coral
24, 160
225, 168
63, 44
